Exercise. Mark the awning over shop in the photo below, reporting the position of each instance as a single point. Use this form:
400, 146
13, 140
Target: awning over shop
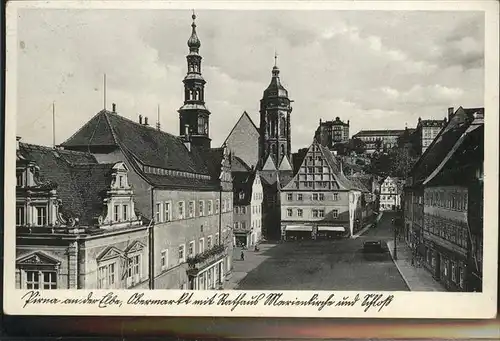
331, 228
306, 228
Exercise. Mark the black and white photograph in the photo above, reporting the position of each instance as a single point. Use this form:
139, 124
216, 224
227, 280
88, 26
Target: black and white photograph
197, 148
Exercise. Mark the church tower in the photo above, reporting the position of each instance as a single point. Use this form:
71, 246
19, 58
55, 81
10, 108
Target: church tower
275, 132
193, 115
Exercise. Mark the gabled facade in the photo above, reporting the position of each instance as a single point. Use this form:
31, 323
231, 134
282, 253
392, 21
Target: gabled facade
319, 201
181, 184
390, 194
76, 224
243, 141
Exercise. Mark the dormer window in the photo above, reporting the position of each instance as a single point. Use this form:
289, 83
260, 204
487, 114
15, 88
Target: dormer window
121, 181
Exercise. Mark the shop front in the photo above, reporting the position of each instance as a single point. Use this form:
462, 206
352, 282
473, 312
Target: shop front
242, 238
330, 232
298, 232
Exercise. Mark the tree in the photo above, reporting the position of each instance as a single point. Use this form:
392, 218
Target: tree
397, 163
378, 145
357, 145
401, 162
341, 148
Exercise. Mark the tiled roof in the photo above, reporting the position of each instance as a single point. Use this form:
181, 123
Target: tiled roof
379, 132
443, 143
81, 187
150, 147
90, 184
358, 184
336, 167
238, 165
477, 127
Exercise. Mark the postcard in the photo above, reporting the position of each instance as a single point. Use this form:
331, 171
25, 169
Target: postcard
288, 159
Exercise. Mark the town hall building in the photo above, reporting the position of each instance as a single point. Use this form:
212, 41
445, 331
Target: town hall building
181, 184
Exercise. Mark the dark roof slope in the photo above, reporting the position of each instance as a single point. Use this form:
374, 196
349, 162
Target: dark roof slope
443, 142
81, 187
149, 145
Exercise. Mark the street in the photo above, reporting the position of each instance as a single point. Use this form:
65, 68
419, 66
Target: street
324, 265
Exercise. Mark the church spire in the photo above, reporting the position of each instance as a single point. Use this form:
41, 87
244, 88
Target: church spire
194, 42
193, 115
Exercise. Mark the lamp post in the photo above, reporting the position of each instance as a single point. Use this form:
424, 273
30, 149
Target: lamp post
395, 239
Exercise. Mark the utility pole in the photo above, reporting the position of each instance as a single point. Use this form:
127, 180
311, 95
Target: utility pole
395, 239
54, 125
104, 94
151, 232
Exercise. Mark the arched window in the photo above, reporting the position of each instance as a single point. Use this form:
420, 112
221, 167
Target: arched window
282, 126
274, 149
282, 149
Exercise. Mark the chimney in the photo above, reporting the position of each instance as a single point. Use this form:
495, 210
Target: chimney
146, 121
347, 122
451, 110
114, 107
140, 119
18, 138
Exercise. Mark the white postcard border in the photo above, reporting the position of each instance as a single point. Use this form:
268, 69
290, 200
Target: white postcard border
402, 305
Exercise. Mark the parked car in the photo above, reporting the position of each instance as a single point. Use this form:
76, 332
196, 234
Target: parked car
373, 246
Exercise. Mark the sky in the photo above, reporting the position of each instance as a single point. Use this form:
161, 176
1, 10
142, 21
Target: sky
377, 69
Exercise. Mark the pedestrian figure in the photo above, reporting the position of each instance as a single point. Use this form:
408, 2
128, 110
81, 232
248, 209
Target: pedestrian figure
242, 256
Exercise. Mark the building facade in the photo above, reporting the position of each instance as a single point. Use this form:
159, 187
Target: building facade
247, 219
427, 131
319, 201
379, 139
76, 224
181, 184
390, 194
331, 132
447, 185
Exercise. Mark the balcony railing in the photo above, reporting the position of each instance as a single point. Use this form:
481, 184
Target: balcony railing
204, 259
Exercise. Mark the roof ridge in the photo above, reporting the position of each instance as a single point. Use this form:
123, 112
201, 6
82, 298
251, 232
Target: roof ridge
84, 125
140, 125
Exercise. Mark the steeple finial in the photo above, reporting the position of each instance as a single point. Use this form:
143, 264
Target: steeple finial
194, 42
275, 59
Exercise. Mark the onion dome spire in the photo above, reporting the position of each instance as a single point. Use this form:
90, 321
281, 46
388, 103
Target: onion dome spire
194, 42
